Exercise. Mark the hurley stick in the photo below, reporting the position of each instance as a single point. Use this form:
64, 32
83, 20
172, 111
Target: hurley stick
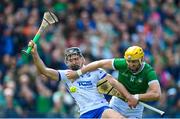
48, 19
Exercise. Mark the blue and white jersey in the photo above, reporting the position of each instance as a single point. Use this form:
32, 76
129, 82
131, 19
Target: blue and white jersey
84, 90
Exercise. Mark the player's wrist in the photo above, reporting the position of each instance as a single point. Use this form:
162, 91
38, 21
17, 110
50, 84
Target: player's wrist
136, 96
79, 72
128, 97
34, 55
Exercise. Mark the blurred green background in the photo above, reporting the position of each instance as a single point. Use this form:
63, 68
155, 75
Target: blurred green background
102, 29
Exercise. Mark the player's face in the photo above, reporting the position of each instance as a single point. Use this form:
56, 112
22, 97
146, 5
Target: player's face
133, 65
75, 61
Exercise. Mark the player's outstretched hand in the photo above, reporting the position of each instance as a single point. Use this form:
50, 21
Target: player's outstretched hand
71, 74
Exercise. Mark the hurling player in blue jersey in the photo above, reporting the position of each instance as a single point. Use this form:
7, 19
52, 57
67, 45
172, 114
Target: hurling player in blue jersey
83, 89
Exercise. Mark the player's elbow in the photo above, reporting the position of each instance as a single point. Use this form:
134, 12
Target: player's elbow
157, 95
45, 72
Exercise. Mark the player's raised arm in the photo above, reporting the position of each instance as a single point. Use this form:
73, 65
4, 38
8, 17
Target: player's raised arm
51, 73
105, 64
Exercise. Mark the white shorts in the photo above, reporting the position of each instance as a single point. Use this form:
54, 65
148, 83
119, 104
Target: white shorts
122, 107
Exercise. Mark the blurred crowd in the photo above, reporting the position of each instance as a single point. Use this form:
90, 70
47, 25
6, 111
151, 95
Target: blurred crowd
102, 29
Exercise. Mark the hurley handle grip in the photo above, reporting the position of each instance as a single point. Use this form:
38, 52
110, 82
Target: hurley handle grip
35, 39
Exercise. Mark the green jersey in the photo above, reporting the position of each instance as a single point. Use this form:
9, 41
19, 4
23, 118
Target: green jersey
135, 83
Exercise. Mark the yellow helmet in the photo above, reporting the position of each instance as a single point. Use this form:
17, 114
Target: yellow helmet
134, 53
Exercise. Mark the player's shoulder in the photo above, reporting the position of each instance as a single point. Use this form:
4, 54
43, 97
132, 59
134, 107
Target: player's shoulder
148, 67
119, 60
99, 70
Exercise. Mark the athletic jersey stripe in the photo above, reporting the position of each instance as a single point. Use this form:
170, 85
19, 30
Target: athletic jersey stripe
59, 76
103, 76
113, 65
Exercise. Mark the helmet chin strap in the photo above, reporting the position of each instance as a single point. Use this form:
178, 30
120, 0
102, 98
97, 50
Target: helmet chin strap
139, 68
140, 61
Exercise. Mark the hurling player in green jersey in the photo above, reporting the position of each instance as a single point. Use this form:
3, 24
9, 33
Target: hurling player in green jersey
137, 76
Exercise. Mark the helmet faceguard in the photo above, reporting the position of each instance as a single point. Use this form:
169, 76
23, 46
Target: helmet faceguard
72, 51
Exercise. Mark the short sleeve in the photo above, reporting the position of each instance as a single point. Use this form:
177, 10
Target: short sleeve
119, 63
151, 76
62, 75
